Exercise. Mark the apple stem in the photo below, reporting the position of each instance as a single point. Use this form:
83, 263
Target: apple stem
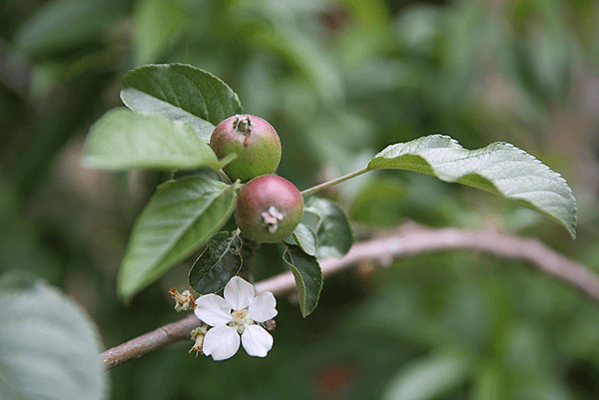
224, 176
332, 182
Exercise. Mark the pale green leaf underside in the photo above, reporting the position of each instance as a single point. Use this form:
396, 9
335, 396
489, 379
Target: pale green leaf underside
177, 220
499, 168
180, 92
123, 139
146, 104
49, 347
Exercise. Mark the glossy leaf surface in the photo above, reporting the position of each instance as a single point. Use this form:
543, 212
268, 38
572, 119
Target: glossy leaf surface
218, 263
177, 220
333, 230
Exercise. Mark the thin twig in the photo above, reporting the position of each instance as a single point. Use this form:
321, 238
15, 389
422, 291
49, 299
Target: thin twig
332, 182
411, 240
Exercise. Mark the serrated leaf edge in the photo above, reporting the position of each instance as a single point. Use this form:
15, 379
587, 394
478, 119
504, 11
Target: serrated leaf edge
453, 145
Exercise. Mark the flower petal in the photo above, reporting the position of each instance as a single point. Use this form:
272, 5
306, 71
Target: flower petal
239, 293
221, 342
213, 310
256, 341
263, 307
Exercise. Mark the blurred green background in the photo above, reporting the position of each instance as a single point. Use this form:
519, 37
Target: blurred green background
339, 80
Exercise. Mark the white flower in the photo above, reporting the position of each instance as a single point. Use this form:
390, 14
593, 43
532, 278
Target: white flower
235, 315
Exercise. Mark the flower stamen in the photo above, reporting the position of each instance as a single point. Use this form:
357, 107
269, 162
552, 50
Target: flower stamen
184, 301
197, 335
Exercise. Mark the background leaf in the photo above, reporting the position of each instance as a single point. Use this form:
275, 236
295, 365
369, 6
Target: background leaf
180, 92
45, 32
155, 23
428, 378
177, 220
218, 263
499, 168
308, 277
49, 348
122, 139
308, 57
333, 230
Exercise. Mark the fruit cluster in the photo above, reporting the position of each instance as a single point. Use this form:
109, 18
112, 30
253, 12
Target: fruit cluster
268, 207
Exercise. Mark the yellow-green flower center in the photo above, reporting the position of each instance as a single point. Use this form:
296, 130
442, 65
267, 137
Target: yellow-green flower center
240, 320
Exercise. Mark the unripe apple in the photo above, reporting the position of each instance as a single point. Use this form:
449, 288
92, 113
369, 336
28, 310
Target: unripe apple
255, 142
268, 208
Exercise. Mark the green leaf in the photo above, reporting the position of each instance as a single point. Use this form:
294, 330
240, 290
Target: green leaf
145, 104
122, 139
428, 378
499, 168
381, 202
307, 55
57, 26
333, 230
155, 23
308, 277
220, 262
182, 93
489, 382
49, 347
177, 220
305, 237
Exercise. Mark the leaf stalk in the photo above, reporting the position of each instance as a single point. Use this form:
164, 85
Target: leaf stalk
332, 182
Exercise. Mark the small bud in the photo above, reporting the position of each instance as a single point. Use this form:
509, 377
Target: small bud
184, 301
269, 325
197, 335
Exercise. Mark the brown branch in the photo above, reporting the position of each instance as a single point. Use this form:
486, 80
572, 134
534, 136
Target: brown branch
411, 240
144, 344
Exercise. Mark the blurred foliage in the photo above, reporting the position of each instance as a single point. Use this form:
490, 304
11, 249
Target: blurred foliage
339, 80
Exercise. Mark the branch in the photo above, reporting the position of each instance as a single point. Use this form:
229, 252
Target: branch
145, 344
410, 240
